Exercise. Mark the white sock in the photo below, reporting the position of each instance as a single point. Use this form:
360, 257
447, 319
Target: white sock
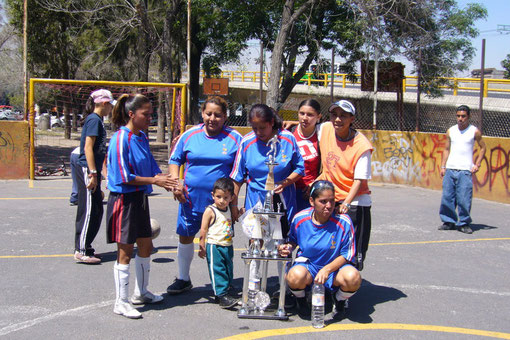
142, 266
121, 275
298, 293
185, 254
341, 295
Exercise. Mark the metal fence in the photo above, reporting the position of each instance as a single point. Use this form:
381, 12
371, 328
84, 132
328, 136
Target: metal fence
435, 115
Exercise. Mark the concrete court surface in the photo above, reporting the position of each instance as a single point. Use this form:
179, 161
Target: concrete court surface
419, 283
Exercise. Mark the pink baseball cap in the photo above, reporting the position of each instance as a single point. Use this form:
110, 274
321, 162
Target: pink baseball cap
101, 96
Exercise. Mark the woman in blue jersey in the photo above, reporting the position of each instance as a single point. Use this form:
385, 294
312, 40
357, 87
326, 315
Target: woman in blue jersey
250, 164
326, 249
132, 171
207, 152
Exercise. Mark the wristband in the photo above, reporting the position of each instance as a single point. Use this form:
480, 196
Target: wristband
93, 172
443, 167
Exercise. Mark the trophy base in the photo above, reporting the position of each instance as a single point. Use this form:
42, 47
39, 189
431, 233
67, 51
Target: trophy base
268, 314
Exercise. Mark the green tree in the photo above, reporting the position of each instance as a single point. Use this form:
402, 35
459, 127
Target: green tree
506, 65
435, 35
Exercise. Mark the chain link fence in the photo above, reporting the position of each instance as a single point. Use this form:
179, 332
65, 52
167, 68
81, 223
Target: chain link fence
435, 115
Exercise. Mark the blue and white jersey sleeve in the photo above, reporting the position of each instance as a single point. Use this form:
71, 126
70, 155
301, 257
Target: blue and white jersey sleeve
348, 242
238, 172
119, 169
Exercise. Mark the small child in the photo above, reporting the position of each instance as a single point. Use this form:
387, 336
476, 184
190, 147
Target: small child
216, 228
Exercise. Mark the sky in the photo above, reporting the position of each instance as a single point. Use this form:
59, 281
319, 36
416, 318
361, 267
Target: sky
497, 45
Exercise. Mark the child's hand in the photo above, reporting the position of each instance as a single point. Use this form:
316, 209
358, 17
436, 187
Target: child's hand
201, 251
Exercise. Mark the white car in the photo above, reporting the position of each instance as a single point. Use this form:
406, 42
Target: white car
55, 122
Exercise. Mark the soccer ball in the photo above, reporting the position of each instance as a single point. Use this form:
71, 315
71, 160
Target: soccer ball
155, 227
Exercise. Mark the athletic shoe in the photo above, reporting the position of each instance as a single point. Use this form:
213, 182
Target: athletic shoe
148, 297
125, 309
340, 308
72, 204
179, 286
466, 229
446, 226
226, 301
304, 309
80, 258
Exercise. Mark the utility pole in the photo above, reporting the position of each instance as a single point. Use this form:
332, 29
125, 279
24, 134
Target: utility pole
332, 72
482, 83
261, 83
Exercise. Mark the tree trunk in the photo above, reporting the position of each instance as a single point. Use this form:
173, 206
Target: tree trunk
144, 48
289, 17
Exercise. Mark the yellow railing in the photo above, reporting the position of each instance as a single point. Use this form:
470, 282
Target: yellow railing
340, 79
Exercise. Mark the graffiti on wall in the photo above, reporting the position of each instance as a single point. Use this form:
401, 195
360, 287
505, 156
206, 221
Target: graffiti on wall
415, 159
398, 161
14, 150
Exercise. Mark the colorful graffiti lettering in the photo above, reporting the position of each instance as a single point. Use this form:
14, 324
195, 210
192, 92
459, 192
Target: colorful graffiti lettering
415, 159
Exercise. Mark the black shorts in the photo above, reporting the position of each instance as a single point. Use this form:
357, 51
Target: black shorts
127, 217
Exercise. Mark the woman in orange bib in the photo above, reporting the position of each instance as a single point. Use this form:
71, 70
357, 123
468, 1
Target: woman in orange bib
345, 158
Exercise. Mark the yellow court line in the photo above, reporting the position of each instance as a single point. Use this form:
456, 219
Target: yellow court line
196, 240
373, 326
440, 241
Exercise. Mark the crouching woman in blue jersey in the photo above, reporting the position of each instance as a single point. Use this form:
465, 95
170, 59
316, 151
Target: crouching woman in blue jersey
132, 171
326, 249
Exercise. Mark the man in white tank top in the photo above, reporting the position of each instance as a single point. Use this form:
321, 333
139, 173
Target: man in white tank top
457, 168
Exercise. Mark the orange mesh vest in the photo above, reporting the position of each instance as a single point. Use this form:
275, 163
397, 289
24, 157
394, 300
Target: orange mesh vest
339, 160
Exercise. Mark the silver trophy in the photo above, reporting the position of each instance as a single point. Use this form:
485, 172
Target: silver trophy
263, 248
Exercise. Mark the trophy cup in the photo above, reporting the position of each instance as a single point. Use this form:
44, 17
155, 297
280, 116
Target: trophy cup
265, 237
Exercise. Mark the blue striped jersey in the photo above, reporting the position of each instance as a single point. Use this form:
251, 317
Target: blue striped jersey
205, 158
322, 244
129, 156
250, 167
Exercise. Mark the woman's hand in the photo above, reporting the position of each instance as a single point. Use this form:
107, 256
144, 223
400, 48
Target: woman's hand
165, 181
322, 275
282, 185
92, 183
285, 249
343, 208
179, 194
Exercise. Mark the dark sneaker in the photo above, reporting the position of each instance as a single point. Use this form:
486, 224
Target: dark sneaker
290, 300
179, 286
303, 306
446, 226
466, 229
227, 301
340, 308
80, 258
72, 204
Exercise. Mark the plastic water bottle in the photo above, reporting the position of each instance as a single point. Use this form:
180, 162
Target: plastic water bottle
253, 289
318, 305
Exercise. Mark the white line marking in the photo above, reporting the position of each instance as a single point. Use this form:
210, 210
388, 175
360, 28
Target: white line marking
447, 288
29, 323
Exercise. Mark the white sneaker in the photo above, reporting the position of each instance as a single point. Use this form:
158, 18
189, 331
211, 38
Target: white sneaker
125, 309
148, 297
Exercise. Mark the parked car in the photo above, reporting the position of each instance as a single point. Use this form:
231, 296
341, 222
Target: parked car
10, 115
55, 122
